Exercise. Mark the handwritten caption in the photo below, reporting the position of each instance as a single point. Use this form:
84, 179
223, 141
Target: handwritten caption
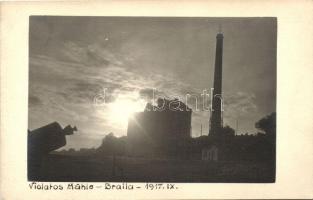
102, 186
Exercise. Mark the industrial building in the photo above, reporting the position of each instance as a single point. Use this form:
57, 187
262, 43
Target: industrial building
159, 127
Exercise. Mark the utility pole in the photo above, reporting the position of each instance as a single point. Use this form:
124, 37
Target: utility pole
236, 133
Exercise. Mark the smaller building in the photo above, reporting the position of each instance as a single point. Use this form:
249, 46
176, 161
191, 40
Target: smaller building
210, 153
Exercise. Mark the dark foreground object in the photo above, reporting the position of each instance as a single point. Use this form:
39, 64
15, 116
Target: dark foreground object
41, 141
63, 168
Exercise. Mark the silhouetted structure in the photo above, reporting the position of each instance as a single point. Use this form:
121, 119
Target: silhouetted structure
216, 121
43, 140
226, 158
151, 131
210, 153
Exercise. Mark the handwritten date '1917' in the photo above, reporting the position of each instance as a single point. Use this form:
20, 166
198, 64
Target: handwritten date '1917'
160, 186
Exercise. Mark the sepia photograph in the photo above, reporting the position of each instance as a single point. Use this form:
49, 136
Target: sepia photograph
156, 100
152, 99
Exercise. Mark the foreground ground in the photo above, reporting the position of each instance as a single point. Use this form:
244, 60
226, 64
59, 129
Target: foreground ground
128, 169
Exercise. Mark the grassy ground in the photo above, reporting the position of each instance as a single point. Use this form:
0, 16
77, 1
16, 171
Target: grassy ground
93, 169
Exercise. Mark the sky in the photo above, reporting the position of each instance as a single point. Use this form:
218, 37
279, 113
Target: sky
94, 72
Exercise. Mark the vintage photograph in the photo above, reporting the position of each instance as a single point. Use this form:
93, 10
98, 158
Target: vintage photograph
152, 99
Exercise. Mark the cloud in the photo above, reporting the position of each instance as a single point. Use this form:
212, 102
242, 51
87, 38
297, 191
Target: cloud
240, 103
91, 55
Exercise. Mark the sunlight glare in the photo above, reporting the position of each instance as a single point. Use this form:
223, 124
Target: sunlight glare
122, 109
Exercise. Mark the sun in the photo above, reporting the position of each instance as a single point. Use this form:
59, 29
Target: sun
121, 109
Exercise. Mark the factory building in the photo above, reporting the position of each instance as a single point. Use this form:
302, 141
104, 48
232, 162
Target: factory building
166, 128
